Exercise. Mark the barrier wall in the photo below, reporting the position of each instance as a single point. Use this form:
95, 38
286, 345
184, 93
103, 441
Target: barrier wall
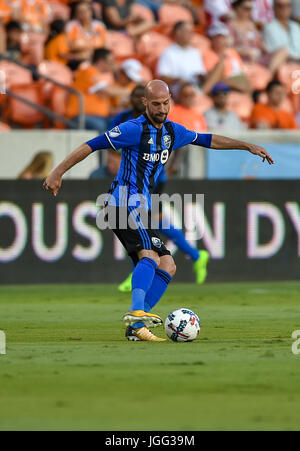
252, 230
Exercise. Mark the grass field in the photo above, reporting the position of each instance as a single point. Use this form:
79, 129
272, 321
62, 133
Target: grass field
68, 365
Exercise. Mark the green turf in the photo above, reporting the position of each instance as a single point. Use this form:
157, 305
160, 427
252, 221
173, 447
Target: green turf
68, 366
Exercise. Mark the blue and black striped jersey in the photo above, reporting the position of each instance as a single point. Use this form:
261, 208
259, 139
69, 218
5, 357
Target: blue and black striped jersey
145, 151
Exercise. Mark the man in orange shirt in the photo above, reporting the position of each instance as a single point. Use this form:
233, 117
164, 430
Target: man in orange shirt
184, 113
96, 84
271, 115
232, 73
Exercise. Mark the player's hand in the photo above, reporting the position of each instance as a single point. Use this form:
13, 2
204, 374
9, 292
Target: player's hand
261, 152
53, 183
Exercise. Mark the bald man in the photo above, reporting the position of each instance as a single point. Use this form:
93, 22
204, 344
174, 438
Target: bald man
147, 143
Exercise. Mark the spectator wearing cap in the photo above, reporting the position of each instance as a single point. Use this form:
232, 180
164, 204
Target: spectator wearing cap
182, 63
127, 76
232, 65
184, 111
220, 117
84, 34
96, 84
282, 32
271, 114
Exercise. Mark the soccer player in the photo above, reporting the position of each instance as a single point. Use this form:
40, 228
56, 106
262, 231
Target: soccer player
147, 143
199, 258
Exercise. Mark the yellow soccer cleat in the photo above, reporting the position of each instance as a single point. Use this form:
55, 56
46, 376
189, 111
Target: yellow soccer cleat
145, 334
139, 316
200, 267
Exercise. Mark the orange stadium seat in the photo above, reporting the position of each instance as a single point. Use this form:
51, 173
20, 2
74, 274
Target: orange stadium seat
169, 15
59, 72
241, 104
17, 112
150, 46
259, 76
201, 42
120, 44
59, 11
15, 74
32, 45
142, 11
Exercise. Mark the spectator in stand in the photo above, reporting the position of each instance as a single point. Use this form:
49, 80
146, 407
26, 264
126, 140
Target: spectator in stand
84, 34
271, 115
181, 62
11, 46
184, 112
230, 61
57, 48
110, 170
34, 15
247, 39
98, 91
283, 33
127, 76
39, 168
220, 117
118, 15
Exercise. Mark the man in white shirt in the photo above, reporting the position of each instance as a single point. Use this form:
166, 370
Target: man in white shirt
182, 63
283, 32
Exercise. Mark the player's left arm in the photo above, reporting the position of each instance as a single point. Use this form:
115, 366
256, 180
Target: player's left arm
224, 143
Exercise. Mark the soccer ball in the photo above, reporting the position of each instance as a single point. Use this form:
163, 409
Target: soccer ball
182, 325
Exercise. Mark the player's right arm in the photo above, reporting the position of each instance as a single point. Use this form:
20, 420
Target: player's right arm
127, 134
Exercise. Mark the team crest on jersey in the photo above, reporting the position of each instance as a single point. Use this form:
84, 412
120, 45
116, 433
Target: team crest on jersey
167, 141
156, 242
115, 132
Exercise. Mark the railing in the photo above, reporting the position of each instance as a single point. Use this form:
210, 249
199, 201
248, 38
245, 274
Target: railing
46, 111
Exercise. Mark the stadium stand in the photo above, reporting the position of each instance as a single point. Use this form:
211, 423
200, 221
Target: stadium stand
53, 30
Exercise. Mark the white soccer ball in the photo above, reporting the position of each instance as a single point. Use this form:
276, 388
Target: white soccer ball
182, 325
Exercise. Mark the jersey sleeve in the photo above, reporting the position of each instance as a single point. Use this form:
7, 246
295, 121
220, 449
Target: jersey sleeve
183, 137
124, 135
